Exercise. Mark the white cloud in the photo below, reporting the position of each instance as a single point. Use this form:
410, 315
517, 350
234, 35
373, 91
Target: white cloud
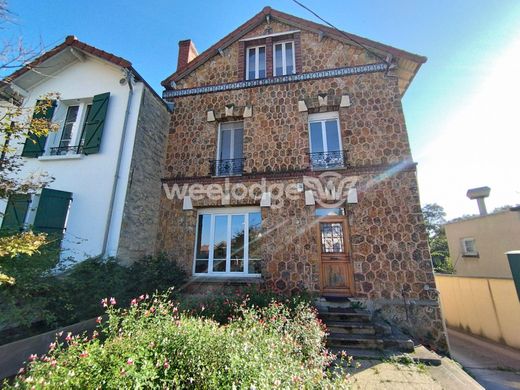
479, 144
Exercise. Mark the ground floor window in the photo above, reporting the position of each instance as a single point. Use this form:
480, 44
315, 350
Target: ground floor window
228, 241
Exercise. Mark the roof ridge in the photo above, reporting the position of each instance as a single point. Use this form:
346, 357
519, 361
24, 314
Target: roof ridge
70, 41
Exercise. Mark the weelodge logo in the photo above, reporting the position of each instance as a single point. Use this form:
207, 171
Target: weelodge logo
330, 189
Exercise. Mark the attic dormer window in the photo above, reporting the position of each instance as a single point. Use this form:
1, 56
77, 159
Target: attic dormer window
284, 60
255, 63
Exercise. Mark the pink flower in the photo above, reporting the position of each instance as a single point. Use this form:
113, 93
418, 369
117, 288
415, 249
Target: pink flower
83, 354
98, 320
104, 302
141, 297
130, 362
21, 370
53, 363
33, 357
95, 334
166, 364
146, 296
69, 336
52, 346
133, 302
152, 309
112, 301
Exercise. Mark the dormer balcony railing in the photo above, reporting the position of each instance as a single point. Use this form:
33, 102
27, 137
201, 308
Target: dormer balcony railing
229, 167
328, 160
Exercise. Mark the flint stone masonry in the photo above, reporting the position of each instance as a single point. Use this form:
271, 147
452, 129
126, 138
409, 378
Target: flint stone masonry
388, 239
140, 216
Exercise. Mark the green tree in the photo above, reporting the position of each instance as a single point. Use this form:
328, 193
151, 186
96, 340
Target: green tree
16, 128
434, 219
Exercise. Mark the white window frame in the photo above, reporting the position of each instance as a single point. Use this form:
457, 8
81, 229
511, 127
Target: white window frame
257, 61
232, 151
75, 138
463, 242
284, 60
229, 212
323, 117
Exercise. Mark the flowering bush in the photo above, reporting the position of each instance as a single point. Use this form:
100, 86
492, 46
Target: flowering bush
223, 305
154, 345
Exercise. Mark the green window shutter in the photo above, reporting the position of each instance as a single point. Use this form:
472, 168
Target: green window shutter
34, 145
52, 211
15, 212
95, 123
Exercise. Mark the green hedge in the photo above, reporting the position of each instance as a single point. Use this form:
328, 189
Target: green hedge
43, 299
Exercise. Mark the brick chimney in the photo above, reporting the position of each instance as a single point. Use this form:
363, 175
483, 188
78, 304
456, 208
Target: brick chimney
187, 52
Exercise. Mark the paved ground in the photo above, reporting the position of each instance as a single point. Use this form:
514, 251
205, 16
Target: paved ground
495, 367
389, 375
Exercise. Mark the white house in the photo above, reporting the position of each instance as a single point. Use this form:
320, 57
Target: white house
105, 158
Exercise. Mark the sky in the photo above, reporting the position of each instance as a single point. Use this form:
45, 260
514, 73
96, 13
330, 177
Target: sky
461, 109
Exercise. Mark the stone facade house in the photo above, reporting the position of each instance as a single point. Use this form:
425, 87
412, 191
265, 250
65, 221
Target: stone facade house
288, 163
103, 158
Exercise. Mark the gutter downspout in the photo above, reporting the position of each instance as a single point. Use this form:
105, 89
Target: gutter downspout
118, 165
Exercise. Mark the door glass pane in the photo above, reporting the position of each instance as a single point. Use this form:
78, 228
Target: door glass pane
237, 243
289, 57
70, 120
316, 137
332, 238
278, 60
251, 60
261, 62
255, 254
331, 132
220, 243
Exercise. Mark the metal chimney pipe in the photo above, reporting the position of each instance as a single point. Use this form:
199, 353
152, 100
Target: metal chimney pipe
479, 194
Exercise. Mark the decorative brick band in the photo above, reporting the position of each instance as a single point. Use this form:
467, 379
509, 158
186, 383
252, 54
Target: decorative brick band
322, 74
284, 175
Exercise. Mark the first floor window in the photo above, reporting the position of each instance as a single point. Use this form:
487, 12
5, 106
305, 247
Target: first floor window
325, 141
228, 242
68, 125
284, 61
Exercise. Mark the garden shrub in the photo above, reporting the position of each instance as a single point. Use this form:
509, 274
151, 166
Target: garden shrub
43, 299
152, 344
220, 306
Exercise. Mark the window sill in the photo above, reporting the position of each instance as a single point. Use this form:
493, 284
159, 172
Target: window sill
62, 157
471, 256
238, 279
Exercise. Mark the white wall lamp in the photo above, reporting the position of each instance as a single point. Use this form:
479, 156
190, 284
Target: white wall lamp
265, 201
309, 198
187, 204
352, 197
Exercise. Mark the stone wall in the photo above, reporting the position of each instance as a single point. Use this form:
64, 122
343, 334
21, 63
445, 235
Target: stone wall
140, 215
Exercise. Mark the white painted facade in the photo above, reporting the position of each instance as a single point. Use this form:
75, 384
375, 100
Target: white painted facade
98, 182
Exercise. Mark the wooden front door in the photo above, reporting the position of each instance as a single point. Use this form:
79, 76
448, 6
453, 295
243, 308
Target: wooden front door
335, 260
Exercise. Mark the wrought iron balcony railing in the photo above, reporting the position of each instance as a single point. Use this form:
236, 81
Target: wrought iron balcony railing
229, 167
63, 150
328, 160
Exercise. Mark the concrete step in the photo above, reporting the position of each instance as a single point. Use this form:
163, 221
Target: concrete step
346, 341
369, 341
356, 316
419, 355
350, 327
